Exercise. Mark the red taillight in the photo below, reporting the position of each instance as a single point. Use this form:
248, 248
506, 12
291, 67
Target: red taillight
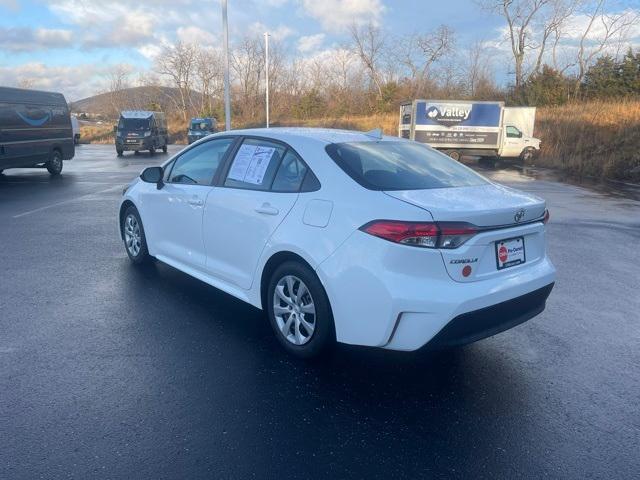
412, 233
422, 234
546, 216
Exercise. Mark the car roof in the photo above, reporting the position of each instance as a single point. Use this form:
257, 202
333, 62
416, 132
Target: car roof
323, 135
137, 113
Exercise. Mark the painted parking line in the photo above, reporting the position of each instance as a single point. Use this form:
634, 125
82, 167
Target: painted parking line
64, 202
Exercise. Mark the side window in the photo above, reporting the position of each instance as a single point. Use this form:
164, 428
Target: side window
290, 174
513, 132
254, 165
198, 165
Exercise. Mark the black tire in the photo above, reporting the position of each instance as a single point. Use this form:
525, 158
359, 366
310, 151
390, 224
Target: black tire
323, 335
136, 152
164, 148
152, 150
527, 154
54, 164
119, 152
455, 154
140, 255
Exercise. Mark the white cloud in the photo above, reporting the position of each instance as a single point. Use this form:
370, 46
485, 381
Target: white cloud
281, 32
10, 4
26, 39
75, 82
336, 15
195, 35
310, 43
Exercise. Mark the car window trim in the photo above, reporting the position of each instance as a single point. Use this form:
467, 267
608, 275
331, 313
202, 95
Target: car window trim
229, 159
172, 162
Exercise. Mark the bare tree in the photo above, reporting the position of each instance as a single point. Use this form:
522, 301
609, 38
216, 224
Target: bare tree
478, 69
603, 29
420, 52
26, 82
247, 63
368, 45
519, 15
177, 63
208, 70
118, 84
551, 26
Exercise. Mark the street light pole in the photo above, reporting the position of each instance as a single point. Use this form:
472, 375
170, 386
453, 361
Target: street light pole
266, 73
225, 46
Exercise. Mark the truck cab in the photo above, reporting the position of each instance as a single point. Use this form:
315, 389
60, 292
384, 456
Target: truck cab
517, 136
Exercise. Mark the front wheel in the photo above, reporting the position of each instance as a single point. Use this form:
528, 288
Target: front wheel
135, 241
54, 165
152, 150
299, 310
527, 155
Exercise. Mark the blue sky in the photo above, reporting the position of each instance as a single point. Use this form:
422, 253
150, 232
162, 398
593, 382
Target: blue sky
69, 45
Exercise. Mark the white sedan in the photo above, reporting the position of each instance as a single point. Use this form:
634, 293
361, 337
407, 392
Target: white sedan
345, 236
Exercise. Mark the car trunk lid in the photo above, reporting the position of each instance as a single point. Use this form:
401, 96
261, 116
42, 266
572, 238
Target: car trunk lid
507, 219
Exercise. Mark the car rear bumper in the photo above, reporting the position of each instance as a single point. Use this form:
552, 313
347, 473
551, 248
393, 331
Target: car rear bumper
401, 298
485, 322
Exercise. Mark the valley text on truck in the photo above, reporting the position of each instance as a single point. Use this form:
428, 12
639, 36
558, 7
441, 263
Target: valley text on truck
483, 129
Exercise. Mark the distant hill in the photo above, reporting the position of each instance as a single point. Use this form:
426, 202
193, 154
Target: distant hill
109, 104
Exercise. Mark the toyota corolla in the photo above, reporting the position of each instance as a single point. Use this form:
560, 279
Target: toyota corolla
345, 236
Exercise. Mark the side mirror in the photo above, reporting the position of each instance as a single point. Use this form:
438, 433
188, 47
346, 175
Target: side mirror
153, 175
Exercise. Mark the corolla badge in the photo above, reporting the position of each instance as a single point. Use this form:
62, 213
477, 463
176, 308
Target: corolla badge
519, 215
35, 122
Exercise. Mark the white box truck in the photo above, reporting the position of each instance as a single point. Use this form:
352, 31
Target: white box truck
482, 129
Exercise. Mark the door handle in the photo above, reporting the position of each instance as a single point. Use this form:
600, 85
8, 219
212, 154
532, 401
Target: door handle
196, 202
267, 209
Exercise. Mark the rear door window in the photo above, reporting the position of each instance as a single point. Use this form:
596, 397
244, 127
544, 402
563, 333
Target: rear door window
255, 164
290, 174
402, 165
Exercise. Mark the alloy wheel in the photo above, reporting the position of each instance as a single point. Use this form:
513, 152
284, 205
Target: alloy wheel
132, 235
294, 310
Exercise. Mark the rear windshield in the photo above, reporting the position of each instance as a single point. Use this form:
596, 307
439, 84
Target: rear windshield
400, 166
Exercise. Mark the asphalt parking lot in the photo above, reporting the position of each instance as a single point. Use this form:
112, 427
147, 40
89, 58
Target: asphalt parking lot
113, 371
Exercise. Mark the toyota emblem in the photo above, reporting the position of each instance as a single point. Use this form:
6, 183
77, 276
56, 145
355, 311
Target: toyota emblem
519, 215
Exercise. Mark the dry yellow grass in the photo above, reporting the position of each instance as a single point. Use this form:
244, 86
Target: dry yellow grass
600, 139
388, 122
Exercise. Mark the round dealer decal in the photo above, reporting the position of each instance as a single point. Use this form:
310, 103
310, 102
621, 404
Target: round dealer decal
503, 254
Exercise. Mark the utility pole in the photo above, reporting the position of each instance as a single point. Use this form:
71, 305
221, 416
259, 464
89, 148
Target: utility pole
227, 87
266, 73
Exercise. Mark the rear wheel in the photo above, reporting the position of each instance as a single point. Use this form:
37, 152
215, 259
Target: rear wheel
135, 242
54, 164
456, 155
299, 310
